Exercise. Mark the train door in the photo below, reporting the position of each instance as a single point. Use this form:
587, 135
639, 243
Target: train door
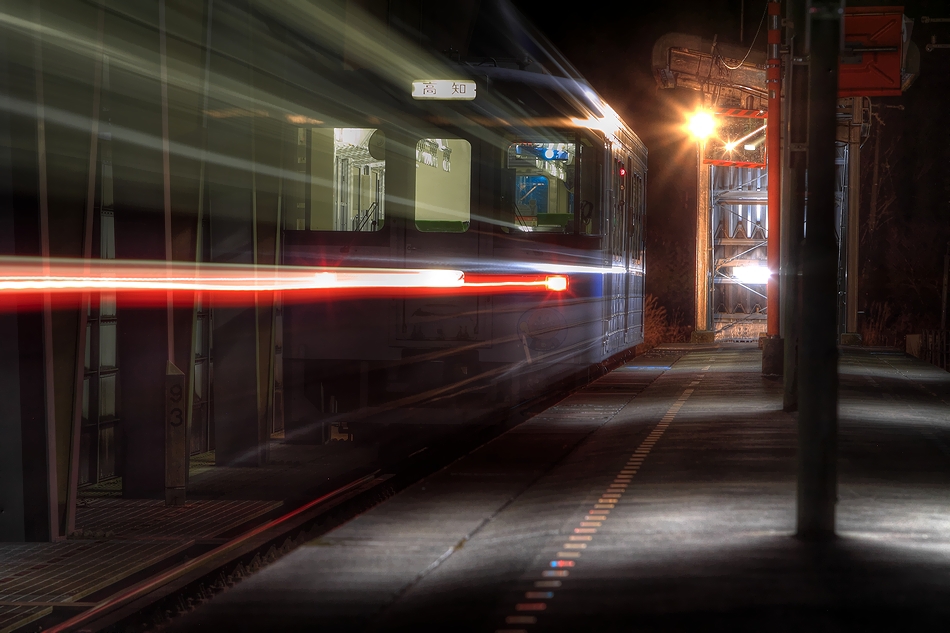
635, 265
614, 248
442, 230
626, 259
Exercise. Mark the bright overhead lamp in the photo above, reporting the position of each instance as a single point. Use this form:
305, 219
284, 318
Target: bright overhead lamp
701, 125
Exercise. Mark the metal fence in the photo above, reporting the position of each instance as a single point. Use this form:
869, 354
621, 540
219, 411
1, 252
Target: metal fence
935, 347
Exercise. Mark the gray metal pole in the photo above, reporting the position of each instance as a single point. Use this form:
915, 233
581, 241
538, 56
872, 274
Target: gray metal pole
818, 352
793, 211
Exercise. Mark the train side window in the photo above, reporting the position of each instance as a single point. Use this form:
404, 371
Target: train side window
543, 182
443, 185
619, 211
347, 169
637, 217
591, 188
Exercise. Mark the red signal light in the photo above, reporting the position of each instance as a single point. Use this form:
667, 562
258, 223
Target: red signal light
623, 171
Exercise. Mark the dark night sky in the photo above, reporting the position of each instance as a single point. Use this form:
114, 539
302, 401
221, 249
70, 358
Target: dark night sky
902, 260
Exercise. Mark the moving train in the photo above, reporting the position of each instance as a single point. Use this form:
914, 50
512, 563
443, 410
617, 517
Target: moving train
249, 138
487, 165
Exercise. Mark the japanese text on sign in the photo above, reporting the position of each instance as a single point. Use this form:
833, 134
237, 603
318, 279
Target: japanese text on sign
443, 89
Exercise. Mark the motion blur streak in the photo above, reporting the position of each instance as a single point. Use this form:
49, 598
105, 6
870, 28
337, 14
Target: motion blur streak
23, 277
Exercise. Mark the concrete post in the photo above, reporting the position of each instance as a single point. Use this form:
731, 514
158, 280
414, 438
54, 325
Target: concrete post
818, 353
793, 213
176, 436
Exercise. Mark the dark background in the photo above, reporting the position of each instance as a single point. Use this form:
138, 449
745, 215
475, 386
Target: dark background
902, 252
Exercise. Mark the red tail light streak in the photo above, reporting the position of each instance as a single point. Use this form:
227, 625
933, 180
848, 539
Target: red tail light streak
25, 282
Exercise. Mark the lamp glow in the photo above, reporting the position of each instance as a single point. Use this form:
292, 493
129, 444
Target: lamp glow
751, 274
702, 125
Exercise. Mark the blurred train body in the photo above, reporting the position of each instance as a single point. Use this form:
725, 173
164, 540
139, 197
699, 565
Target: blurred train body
535, 174
338, 133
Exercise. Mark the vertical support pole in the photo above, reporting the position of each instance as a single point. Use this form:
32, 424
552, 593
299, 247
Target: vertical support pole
773, 348
793, 213
235, 332
774, 135
141, 232
270, 403
49, 386
13, 451
166, 177
818, 352
266, 354
200, 220
854, 215
702, 332
72, 488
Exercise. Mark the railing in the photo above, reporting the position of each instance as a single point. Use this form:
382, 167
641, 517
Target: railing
935, 347
361, 219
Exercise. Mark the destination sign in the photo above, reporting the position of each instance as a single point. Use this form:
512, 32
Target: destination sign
443, 89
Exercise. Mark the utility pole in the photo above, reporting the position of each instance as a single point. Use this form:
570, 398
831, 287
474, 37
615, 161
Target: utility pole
818, 352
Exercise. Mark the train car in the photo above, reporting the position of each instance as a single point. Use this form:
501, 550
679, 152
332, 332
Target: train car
523, 173
214, 146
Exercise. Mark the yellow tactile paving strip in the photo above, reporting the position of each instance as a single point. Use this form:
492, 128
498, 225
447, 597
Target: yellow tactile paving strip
535, 601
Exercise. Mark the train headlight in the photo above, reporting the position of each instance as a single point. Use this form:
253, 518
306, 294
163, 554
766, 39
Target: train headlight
556, 283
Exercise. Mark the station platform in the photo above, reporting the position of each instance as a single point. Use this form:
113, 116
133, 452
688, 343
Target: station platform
659, 498
118, 542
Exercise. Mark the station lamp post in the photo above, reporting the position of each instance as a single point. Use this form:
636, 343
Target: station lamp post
701, 125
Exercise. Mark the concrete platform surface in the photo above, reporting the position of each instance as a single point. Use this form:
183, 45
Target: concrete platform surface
660, 498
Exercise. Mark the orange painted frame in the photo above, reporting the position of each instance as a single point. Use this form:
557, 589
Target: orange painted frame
876, 73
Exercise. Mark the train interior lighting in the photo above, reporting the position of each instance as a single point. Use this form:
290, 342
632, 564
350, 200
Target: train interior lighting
347, 171
544, 185
443, 185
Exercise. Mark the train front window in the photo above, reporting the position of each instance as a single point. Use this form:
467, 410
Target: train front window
347, 169
543, 199
443, 185
532, 195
